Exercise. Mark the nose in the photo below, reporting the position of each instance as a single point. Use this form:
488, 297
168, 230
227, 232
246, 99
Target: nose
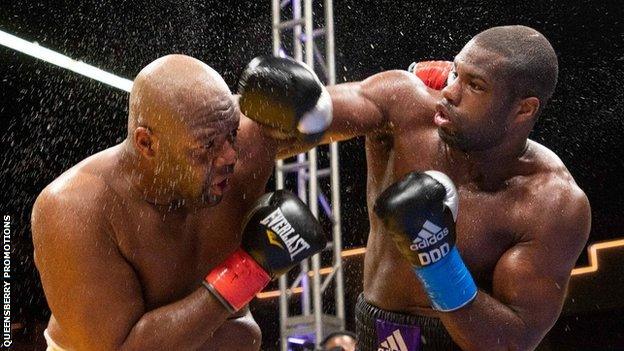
228, 155
452, 92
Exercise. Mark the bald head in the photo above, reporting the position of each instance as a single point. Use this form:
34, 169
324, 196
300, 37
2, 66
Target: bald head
530, 63
181, 131
176, 89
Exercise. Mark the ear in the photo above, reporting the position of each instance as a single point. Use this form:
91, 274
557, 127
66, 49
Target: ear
145, 142
527, 109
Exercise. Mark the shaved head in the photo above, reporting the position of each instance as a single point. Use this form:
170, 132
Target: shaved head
182, 126
530, 64
174, 88
501, 81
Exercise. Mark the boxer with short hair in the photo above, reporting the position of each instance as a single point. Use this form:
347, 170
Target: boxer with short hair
134, 252
474, 228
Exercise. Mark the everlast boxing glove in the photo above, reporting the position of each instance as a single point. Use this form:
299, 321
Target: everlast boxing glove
286, 95
434, 74
278, 233
419, 213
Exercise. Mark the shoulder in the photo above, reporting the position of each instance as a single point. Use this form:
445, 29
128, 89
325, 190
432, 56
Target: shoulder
563, 202
72, 189
71, 204
257, 152
254, 143
552, 182
391, 83
556, 204
401, 96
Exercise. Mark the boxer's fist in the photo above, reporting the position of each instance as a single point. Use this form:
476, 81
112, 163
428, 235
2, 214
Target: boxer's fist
285, 95
419, 214
280, 231
433, 73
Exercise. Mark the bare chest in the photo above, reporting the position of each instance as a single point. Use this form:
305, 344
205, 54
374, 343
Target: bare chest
172, 256
484, 229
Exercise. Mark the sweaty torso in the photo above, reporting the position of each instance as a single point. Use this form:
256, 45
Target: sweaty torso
171, 254
490, 221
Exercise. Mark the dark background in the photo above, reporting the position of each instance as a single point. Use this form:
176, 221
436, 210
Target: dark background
53, 118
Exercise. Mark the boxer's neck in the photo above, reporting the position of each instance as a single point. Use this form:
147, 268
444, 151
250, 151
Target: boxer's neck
489, 168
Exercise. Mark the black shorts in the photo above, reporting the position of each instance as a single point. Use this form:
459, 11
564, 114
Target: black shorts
380, 330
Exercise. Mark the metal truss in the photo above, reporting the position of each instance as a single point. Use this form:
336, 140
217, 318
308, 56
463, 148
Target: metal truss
289, 26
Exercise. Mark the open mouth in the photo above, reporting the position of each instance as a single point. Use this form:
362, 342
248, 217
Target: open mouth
218, 188
441, 118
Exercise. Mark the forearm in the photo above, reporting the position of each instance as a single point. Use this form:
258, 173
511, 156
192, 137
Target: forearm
240, 333
185, 324
353, 114
488, 324
292, 147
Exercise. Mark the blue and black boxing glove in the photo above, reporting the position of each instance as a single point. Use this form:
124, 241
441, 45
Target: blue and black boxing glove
419, 212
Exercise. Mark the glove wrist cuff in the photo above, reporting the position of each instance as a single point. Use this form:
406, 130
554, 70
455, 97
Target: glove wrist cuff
448, 282
236, 280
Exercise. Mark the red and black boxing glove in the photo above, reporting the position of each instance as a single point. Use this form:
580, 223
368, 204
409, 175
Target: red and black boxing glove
433, 73
278, 233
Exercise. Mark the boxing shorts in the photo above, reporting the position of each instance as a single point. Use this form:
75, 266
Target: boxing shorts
381, 330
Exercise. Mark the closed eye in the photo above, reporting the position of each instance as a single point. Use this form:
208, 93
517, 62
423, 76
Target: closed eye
233, 134
209, 145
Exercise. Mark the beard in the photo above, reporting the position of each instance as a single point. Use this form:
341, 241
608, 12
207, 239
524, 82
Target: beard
208, 199
473, 143
455, 140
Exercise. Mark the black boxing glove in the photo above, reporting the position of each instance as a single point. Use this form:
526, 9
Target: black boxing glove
286, 95
419, 213
278, 233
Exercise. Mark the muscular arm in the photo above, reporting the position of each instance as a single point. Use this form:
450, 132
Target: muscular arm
94, 293
239, 333
529, 285
360, 108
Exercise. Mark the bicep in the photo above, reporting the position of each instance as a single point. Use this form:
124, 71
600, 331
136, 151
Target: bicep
529, 281
532, 276
369, 106
377, 103
92, 291
354, 112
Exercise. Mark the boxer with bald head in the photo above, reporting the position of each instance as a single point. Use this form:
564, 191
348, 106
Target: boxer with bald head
159, 242
474, 228
186, 110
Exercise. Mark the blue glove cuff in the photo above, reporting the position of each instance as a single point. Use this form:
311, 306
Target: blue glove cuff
448, 282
